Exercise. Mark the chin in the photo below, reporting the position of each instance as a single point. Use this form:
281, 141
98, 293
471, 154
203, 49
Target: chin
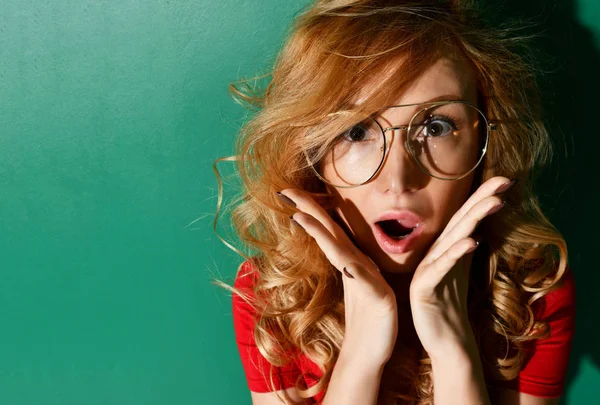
402, 263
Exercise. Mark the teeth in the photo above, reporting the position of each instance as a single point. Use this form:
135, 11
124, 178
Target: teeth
392, 231
400, 237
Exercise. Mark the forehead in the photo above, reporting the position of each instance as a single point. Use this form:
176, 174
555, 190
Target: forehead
446, 78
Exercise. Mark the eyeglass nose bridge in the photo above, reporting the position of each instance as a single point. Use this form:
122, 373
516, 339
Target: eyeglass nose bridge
387, 143
402, 127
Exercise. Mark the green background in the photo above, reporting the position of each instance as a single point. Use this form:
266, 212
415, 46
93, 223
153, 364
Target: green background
111, 116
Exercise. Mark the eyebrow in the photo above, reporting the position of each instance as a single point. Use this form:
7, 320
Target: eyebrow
444, 97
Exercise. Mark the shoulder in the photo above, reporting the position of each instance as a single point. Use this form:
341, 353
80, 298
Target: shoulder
257, 368
245, 280
559, 303
545, 370
246, 275
242, 303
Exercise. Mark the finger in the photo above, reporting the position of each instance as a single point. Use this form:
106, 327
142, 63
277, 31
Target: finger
369, 282
355, 271
457, 258
305, 203
487, 189
443, 264
337, 255
465, 226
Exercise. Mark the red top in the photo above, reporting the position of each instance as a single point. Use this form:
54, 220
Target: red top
543, 375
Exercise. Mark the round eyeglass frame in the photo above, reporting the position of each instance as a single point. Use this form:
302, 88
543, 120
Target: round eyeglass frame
489, 125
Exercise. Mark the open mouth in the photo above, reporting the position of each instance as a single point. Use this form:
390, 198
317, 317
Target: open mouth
395, 229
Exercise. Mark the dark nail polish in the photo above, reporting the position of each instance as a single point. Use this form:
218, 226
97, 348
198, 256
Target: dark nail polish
348, 274
496, 208
505, 187
286, 199
295, 222
472, 248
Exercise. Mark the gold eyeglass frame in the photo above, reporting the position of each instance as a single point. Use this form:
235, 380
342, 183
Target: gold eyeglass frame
490, 126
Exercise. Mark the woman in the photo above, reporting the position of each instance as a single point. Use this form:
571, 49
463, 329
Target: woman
401, 256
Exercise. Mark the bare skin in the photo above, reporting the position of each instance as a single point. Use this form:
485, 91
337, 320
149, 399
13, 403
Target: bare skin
433, 276
449, 221
429, 281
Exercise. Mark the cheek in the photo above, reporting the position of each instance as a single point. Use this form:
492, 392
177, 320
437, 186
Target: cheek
351, 207
452, 199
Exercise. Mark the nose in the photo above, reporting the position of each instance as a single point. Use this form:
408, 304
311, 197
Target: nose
399, 172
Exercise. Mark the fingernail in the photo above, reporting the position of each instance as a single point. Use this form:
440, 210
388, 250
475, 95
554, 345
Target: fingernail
505, 186
348, 274
286, 199
472, 248
496, 208
295, 222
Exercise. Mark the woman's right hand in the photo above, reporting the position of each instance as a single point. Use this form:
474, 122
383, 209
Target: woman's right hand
371, 312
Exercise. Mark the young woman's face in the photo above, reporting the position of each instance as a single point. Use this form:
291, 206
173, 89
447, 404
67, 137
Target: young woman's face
400, 185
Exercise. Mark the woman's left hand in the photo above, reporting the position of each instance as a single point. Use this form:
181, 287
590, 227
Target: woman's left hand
438, 290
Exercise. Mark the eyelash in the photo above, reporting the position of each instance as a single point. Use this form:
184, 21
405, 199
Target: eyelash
454, 123
449, 120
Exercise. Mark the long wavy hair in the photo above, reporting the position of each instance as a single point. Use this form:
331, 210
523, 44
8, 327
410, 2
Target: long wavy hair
333, 50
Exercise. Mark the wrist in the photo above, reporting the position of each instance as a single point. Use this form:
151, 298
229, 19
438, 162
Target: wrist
458, 359
461, 348
459, 371
458, 356
350, 361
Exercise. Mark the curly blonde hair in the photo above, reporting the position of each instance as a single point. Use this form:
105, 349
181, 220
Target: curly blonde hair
335, 48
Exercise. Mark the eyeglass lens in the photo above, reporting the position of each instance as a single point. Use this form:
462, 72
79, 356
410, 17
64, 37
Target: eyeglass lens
447, 141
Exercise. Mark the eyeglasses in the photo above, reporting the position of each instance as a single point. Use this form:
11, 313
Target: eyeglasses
447, 140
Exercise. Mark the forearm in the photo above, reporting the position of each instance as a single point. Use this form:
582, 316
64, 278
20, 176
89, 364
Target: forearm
458, 378
353, 383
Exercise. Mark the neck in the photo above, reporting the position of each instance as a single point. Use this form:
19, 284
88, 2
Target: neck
400, 283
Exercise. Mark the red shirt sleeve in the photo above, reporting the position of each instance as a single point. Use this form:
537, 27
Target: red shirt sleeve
255, 365
544, 373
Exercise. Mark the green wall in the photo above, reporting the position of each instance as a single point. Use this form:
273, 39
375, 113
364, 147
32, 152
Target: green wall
111, 116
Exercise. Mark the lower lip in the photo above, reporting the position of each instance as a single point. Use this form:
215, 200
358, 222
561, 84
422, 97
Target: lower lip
392, 245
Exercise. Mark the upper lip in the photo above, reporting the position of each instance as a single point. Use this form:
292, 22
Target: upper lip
407, 219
